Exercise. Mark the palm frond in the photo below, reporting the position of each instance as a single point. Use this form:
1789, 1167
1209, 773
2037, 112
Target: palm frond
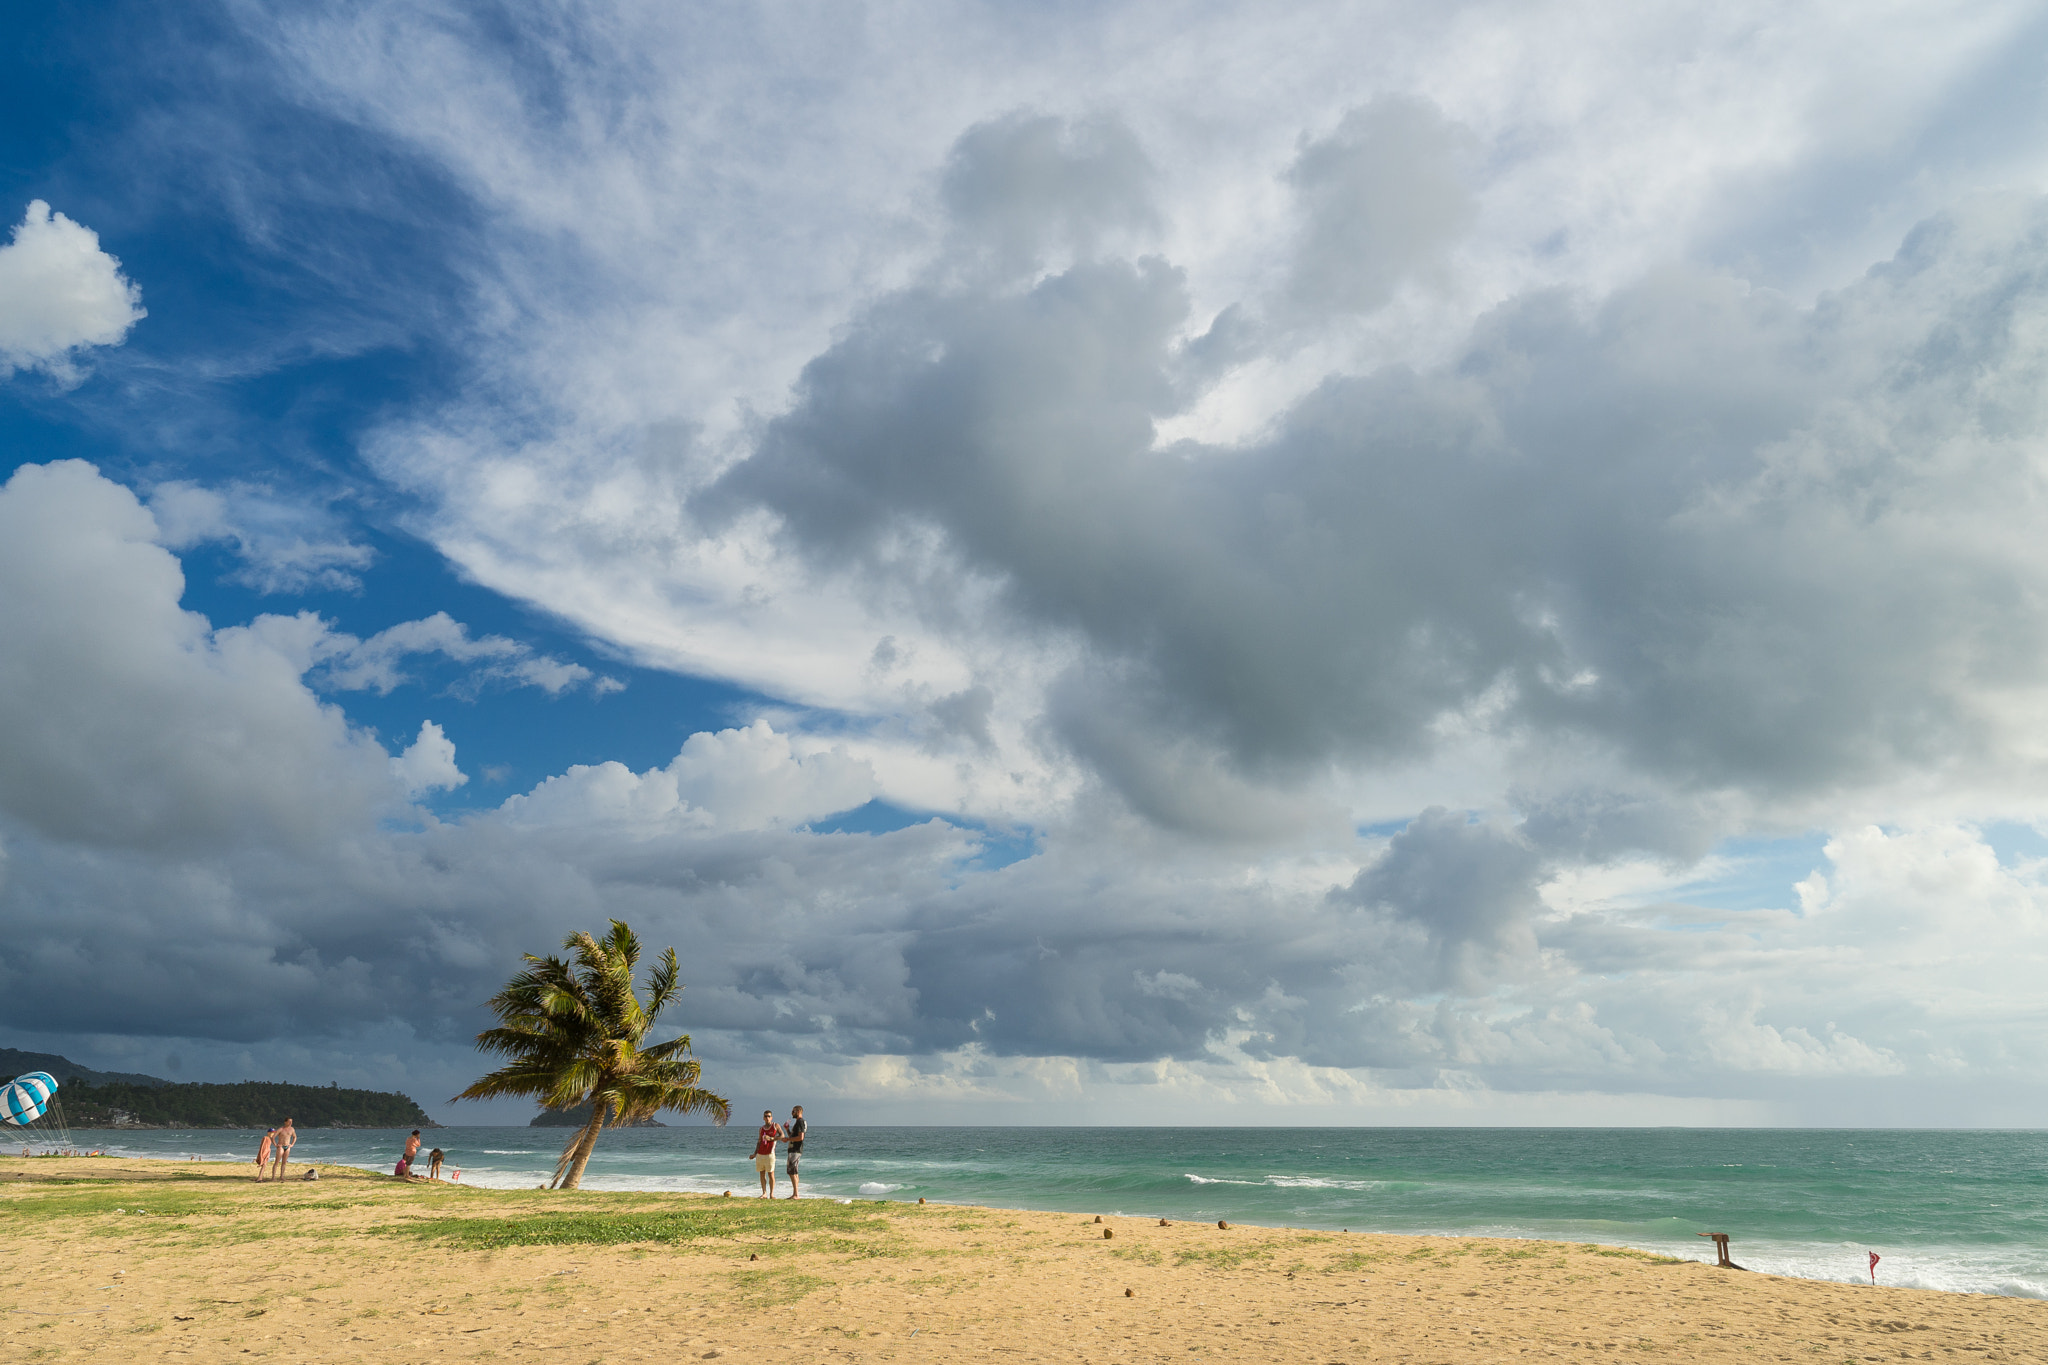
663, 986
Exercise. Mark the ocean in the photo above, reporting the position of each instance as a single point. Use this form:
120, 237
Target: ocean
1961, 1210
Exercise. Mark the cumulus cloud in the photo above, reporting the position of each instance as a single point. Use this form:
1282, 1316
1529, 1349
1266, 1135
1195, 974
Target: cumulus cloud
1725, 540
60, 293
128, 722
1471, 891
751, 778
1384, 199
428, 763
1025, 186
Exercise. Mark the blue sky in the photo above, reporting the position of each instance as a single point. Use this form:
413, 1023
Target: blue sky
1142, 562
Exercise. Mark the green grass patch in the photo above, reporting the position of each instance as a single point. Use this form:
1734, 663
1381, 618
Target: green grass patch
1354, 1260
773, 1288
122, 1203
1631, 1254
858, 1230
1223, 1258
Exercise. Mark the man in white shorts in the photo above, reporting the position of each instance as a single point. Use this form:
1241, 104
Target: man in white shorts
764, 1151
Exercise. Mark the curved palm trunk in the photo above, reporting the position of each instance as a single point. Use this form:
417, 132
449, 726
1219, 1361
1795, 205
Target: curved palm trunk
577, 1154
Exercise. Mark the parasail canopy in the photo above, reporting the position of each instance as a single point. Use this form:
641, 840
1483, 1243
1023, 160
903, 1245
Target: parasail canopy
26, 1097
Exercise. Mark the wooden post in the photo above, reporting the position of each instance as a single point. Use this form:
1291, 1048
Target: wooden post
1720, 1249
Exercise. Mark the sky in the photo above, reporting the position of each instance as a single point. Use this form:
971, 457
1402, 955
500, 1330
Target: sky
1348, 563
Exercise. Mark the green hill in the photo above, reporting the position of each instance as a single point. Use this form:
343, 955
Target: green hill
14, 1062
246, 1104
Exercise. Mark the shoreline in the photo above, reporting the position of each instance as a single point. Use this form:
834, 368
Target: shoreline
126, 1257
1930, 1263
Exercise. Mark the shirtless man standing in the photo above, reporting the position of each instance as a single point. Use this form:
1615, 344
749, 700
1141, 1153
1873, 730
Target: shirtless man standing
412, 1150
795, 1136
281, 1146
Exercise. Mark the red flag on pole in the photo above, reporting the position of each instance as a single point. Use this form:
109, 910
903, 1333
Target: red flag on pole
1874, 1259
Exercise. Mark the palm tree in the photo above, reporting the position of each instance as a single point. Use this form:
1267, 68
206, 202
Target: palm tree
574, 1032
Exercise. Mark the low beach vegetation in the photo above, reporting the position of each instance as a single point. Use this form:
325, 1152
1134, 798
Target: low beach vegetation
855, 1228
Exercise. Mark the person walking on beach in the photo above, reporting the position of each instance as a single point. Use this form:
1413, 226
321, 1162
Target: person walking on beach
281, 1146
795, 1135
764, 1151
262, 1154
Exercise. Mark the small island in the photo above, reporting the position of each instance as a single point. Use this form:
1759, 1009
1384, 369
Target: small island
577, 1115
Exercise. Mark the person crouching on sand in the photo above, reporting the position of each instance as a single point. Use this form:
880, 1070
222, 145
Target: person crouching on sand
281, 1148
795, 1135
262, 1154
764, 1151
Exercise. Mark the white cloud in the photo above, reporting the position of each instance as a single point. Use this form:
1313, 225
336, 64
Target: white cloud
342, 662
428, 763
198, 849
125, 720
750, 778
286, 547
1199, 429
58, 293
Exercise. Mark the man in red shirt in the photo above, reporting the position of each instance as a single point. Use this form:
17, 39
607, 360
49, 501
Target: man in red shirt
764, 1151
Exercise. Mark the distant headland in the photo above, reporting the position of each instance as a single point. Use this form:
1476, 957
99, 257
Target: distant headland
113, 1099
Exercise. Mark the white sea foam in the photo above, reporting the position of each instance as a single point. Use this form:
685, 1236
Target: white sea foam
1308, 1182
1291, 1182
1951, 1269
872, 1188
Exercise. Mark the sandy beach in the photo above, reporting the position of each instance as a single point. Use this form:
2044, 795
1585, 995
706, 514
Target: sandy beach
137, 1260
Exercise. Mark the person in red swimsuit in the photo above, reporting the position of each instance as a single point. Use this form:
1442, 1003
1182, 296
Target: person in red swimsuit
764, 1151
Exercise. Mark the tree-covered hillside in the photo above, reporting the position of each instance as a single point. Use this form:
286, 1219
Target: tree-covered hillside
247, 1104
14, 1062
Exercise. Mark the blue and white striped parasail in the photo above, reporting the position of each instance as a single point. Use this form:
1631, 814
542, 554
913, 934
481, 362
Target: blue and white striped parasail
26, 1097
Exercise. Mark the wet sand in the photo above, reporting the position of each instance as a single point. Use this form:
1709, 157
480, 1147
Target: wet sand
112, 1260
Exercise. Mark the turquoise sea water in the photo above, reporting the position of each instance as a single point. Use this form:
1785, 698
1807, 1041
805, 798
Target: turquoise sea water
1946, 1210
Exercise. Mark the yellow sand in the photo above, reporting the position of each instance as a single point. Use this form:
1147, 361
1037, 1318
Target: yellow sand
226, 1269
